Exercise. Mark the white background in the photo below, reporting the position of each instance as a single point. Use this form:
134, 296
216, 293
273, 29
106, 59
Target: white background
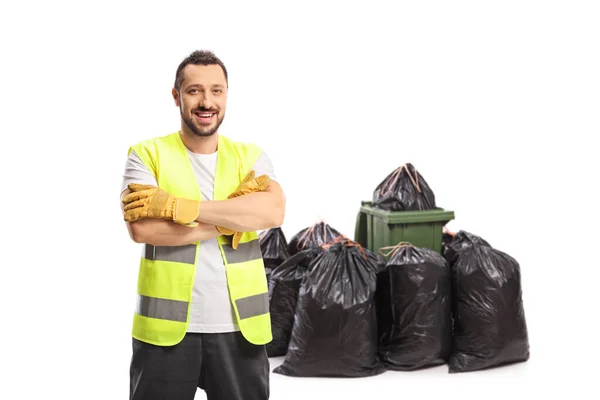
496, 104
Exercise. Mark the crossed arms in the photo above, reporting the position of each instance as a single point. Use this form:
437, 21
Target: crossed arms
250, 212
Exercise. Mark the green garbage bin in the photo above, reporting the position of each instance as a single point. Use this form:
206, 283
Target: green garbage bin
376, 228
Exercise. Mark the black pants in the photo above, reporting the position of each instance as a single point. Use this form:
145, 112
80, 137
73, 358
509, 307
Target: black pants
225, 365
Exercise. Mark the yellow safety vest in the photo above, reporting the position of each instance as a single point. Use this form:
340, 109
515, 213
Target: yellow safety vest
166, 273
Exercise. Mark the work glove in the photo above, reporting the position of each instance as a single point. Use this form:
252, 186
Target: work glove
249, 184
146, 201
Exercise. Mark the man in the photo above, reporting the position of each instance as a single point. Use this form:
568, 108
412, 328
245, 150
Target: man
195, 199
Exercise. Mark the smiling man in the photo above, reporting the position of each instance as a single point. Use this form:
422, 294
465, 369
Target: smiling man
201, 118
195, 199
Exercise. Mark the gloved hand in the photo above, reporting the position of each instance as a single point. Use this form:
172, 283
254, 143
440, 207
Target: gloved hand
146, 201
249, 184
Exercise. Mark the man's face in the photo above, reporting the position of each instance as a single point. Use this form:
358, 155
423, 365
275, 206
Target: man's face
202, 98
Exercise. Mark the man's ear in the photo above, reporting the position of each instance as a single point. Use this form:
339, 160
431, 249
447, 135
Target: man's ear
176, 97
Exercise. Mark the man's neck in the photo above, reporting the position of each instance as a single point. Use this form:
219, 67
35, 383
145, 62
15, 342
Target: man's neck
198, 144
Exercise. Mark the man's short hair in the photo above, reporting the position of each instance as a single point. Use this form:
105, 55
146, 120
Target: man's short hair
198, 57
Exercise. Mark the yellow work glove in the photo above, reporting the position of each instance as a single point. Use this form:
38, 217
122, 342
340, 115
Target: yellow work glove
235, 239
249, 184
147, 201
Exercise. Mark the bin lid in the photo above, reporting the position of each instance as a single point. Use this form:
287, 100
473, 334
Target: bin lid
408, 217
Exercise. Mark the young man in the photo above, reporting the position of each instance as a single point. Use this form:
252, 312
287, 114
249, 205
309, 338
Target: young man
195, 199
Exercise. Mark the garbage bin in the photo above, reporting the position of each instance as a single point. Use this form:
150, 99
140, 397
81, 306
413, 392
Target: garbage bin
376, 228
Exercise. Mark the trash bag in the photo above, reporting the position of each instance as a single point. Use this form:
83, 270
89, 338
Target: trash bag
413, 302
452, 244
404, 189
284, 285
315, 235
490, 328
274, 248
447, 237
335, 329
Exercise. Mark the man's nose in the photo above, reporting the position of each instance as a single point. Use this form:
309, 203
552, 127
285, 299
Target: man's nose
206, 100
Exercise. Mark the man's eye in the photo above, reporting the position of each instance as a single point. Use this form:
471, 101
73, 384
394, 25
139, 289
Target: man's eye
217, 91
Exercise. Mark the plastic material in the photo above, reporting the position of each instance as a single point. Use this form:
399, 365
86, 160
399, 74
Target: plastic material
377, 228
446, 239
274, 248
404, 189
335, 330
413, 302
489, 319
312, 236
453, 244
284, 285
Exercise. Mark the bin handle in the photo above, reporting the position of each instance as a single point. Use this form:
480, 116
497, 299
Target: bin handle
396, 175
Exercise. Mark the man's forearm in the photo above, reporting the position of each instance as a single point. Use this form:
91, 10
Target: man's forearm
160, 232
247, 213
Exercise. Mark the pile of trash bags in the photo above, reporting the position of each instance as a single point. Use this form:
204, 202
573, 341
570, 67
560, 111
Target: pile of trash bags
341, 310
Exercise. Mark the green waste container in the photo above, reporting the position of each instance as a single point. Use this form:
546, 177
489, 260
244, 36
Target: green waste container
376, 228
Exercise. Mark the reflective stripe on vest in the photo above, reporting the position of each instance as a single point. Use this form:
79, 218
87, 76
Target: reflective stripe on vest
182, 254
174, 310
245, 252
187, 254
258, 304
152, 307
253, 306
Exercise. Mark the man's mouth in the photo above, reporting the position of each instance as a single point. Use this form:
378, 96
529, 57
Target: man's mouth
205, 117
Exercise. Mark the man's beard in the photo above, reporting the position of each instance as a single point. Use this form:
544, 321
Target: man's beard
193, 128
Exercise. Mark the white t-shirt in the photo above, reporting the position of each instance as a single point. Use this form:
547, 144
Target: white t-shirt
211, 309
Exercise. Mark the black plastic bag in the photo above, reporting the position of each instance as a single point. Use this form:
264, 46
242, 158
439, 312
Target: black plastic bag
453, 244
490, 328
284, 285
274, 248
413, 302
335, 329
447, 237
404, 189
312, 236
